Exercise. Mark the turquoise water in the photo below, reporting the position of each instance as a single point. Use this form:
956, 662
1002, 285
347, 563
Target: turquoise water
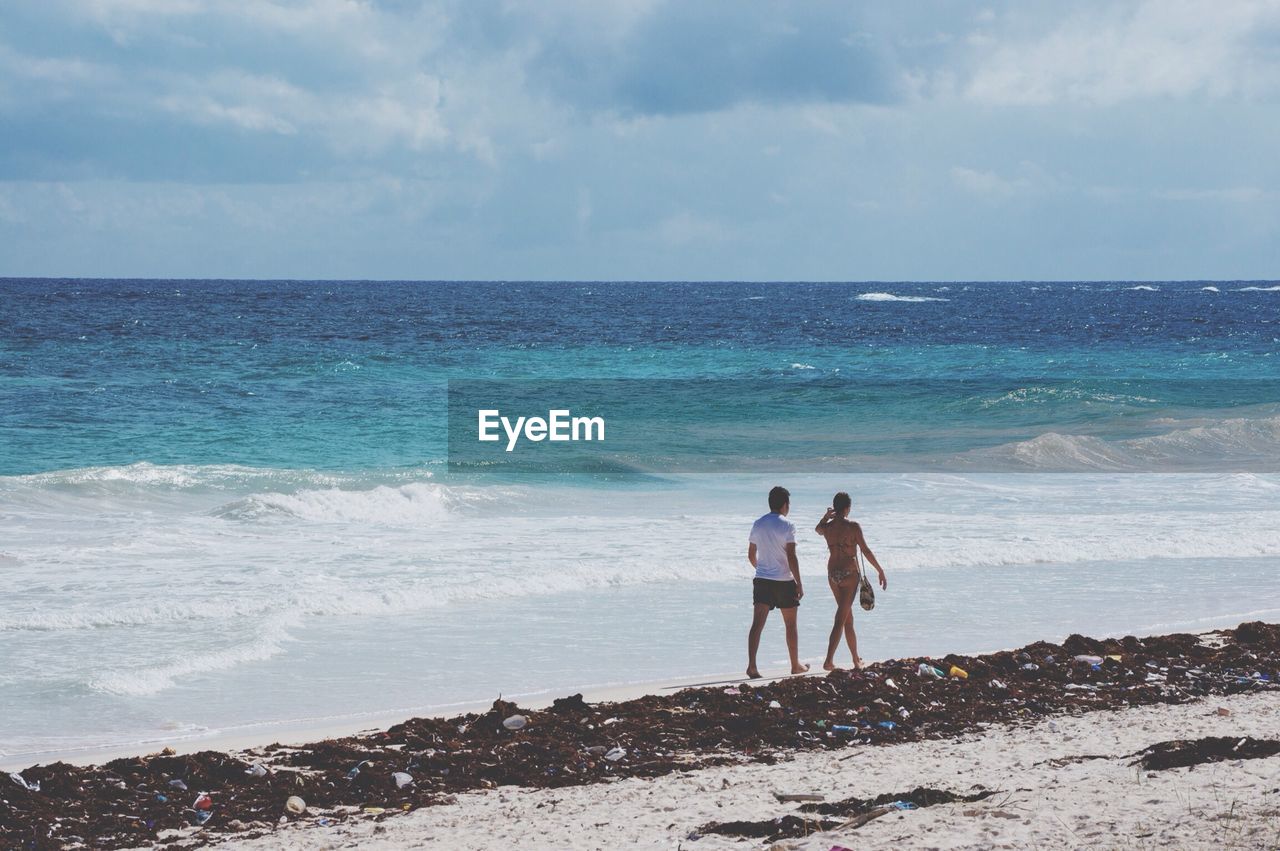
232, 503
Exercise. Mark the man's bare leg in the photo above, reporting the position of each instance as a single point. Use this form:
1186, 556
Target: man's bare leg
753, 638
793, 640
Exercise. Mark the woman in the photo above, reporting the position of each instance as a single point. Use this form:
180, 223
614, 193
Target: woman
844, 537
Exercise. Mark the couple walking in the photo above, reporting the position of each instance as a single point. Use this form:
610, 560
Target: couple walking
772, 552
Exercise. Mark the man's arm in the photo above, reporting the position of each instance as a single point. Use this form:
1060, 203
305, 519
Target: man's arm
751, 553
794, 562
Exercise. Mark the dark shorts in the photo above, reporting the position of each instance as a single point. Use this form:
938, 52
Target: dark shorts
774, 594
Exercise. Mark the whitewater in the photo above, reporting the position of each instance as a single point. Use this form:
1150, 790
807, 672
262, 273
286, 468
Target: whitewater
297, 594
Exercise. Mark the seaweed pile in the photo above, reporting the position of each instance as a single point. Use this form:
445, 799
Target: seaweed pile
853, 812
200, 797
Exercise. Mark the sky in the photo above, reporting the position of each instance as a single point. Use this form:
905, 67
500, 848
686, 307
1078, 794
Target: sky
640, 139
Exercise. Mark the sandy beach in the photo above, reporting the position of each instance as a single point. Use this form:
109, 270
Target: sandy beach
1132, 742
1061, 783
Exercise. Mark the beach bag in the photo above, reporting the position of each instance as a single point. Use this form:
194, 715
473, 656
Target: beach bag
866, 594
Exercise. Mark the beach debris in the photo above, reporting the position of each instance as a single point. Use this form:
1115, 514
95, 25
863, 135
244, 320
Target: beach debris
295, 805
204, 801
516, 722
844, 728
927, 670
773, 704
855, 812
1088, 659
24, 783
1224, 711
402, 778
355, 771
733, 690
957, 671
180, 785
615, 754
785, 798
1031, 666
1187, 753
891, 684
597, 750
202, 816
999, 684
256, 770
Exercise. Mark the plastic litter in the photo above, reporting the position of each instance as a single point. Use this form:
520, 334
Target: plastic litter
616, 754
355, 772
161, 798
1224, 711
773, 704
891, 684
203, 816
204, 801
732, 690
927, 670
843, 728
998, 684
1089, 660
295, 805
888, 725
961, 673
256, 770
597, 750
903, 805
515, 722
30, 786
178, 784
1031, 666
402, 779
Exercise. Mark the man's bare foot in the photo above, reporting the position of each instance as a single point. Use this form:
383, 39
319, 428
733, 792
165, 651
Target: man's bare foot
858, 663
753, 673
799, 670
828, 665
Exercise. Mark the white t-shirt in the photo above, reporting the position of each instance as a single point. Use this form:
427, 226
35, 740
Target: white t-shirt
771, 534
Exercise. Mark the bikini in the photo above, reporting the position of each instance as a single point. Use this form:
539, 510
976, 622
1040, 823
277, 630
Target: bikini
839, 573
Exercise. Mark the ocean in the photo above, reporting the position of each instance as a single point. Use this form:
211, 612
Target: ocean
231, 505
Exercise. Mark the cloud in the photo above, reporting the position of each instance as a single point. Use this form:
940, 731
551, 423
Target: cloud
1114, 52
680, 58
1233, 195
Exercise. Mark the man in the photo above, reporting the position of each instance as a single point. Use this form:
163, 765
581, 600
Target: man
772, 552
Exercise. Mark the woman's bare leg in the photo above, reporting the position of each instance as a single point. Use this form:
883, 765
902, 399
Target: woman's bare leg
851, 637
844, 599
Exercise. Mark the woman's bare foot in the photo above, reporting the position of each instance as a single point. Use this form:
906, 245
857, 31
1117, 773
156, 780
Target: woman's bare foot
799, 670
753, 673
828, 665
858, 663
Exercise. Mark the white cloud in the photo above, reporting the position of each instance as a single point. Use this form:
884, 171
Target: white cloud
1232, 195
1118, 52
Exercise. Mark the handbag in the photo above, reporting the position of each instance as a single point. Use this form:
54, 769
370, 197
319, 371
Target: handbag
866, 594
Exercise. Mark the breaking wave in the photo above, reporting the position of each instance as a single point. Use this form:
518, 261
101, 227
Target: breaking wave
1224, 444
893, 297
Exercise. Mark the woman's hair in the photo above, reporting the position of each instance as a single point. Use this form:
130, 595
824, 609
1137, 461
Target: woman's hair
841, 501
